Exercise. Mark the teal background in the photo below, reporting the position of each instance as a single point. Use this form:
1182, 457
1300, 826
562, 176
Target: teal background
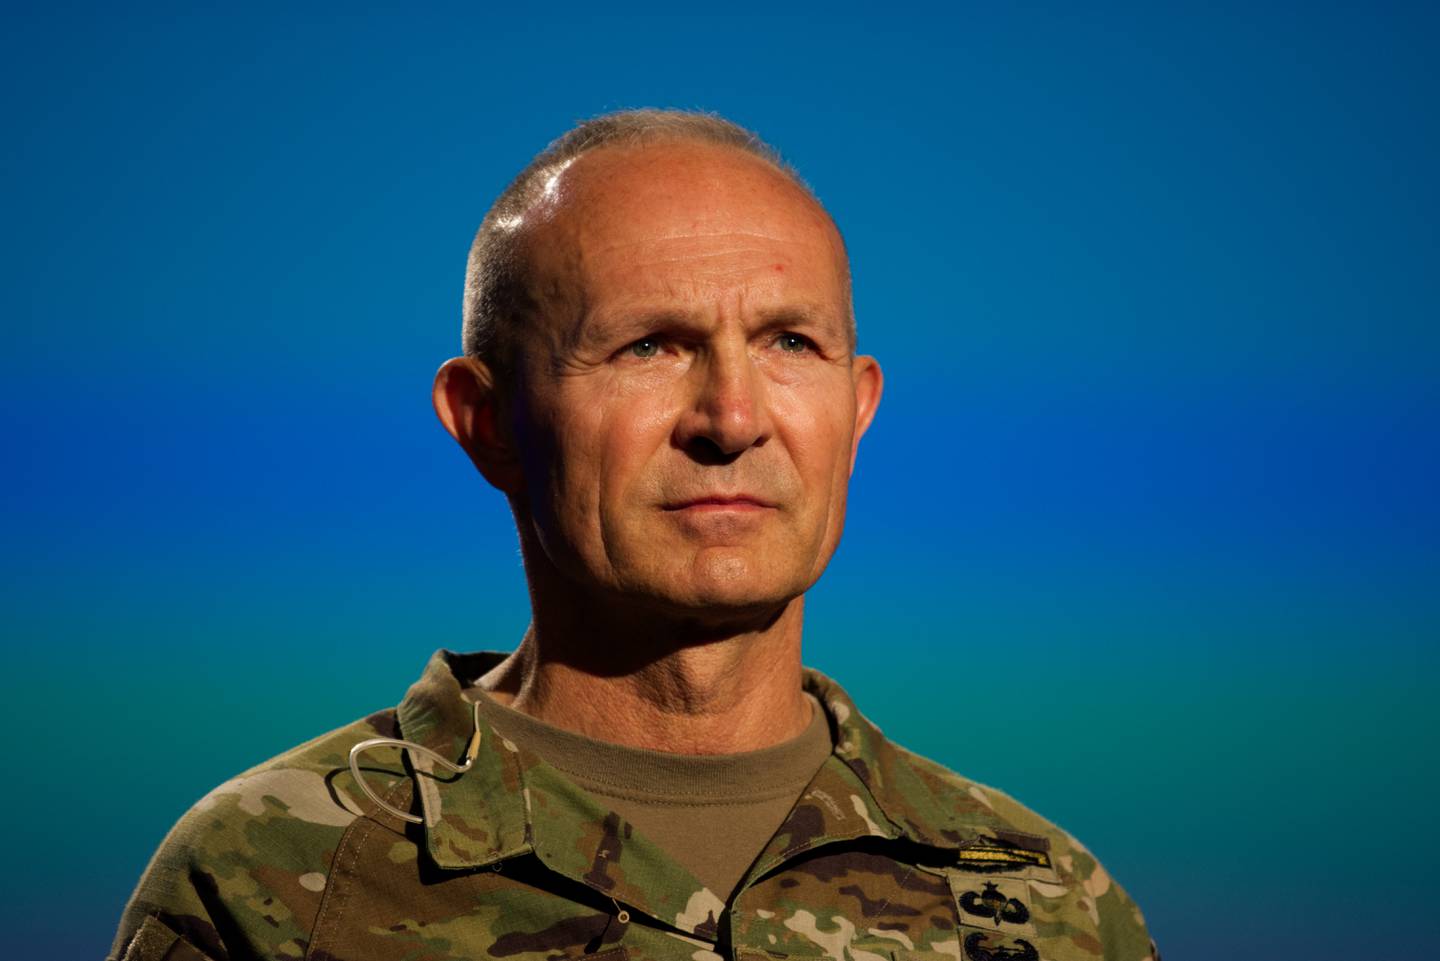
1146, 532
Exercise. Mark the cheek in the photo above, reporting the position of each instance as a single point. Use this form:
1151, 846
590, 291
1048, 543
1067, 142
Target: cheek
819, 430
609, 440
818, 427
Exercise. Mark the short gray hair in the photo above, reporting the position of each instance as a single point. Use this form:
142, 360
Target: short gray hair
497, 290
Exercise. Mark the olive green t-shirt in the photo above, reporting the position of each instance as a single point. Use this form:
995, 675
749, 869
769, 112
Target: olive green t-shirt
712, 813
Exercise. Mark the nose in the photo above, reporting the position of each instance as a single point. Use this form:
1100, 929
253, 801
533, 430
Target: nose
728, 412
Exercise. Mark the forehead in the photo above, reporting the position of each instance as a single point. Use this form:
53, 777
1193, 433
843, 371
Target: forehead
683, 219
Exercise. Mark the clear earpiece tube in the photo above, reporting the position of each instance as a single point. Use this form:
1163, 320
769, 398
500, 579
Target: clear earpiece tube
468, 759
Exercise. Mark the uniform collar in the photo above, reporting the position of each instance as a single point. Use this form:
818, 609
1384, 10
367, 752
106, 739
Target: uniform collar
511, 802
922, 801
479, 817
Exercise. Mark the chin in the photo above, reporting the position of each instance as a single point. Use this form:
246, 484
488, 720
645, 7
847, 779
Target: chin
727, 584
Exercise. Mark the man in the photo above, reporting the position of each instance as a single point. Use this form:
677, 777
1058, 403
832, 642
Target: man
660, 375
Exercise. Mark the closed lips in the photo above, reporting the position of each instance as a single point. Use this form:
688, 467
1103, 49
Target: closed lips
740, 500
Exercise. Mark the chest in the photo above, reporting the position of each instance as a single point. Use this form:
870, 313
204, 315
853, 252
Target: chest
842, 902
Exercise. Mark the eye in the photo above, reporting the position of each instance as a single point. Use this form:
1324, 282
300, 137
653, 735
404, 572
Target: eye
793, 343
645, 347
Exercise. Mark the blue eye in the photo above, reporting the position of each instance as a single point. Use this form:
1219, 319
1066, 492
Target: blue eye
645, 347
793, 343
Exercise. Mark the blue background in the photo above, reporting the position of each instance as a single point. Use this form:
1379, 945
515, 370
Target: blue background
1146, 532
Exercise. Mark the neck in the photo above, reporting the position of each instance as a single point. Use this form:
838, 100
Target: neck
660, 683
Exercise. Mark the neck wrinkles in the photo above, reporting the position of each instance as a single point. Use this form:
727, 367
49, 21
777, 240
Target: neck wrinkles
722, 695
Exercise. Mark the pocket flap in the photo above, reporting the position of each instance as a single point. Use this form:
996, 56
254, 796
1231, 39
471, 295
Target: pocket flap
156, 941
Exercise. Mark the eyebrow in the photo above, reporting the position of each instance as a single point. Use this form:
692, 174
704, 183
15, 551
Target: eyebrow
623, 322
631, 320
799, 315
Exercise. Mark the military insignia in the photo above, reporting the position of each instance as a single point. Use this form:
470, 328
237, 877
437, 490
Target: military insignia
993, 905
1004, 850
976, 949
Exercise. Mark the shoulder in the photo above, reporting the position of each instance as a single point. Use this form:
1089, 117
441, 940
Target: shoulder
962, 806
992, 827
245, 868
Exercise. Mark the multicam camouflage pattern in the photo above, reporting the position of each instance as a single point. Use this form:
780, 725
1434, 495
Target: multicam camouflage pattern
885, 856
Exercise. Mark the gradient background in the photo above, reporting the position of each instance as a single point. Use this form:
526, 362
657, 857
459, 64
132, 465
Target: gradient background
1146, 532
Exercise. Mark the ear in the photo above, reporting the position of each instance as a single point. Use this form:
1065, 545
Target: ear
869, 384
467, 403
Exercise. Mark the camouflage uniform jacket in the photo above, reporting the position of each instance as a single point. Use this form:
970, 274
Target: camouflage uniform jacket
885, 856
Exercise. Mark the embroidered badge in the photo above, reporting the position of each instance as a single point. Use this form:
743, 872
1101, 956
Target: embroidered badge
977, 950
993, 905
1004, 850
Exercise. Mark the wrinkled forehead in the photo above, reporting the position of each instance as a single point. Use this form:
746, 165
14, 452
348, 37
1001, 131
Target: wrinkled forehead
662, 214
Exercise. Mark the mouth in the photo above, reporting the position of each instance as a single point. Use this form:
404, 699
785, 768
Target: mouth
721, 502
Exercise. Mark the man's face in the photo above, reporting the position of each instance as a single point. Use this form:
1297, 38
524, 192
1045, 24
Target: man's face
687, 401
